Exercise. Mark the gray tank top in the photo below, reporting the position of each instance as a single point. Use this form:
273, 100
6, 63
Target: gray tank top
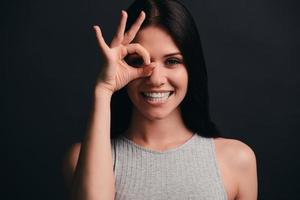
187, 172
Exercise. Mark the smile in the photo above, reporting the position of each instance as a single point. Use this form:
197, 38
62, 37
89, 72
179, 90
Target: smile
156, 98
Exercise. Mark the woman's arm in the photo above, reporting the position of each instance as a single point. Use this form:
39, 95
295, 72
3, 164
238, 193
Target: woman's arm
93, 177
88, 166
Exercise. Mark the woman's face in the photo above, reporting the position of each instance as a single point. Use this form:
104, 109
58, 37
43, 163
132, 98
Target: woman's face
159, 94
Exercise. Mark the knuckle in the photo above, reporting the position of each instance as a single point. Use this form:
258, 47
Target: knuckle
137, 45
129, 34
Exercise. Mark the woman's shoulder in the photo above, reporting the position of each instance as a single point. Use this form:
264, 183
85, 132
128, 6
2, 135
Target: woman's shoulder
237, 153
237, 163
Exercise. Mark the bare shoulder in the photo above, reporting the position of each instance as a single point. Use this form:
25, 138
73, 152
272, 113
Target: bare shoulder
239, 154
238, 168
70, 161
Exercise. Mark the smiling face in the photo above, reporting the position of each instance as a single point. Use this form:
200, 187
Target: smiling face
158, 95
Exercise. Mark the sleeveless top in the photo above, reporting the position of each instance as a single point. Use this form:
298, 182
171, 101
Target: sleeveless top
186, 172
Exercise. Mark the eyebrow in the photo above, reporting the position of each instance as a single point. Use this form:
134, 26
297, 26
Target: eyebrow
172, 54
167, 55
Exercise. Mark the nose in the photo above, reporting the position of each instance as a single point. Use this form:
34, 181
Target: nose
157, 78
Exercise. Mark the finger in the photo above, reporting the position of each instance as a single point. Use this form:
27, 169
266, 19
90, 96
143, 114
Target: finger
142, 72
102, 44
131, 33
118, 38
140, 50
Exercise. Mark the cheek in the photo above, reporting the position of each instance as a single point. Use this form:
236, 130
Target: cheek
180, 79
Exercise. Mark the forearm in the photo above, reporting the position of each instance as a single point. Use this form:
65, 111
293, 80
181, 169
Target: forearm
94, 178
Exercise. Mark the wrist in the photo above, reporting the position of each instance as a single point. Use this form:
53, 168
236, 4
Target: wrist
101, 90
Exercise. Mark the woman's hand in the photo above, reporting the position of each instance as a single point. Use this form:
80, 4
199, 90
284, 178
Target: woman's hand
116, 73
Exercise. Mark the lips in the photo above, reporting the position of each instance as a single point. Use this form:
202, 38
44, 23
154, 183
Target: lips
156, 98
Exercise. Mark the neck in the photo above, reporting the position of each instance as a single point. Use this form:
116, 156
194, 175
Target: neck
153, 132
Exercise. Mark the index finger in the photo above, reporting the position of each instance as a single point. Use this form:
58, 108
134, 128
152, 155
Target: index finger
130, 34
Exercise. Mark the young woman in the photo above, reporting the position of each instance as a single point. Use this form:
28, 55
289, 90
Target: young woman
169, 148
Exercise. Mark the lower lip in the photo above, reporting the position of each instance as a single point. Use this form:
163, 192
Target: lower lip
156, 101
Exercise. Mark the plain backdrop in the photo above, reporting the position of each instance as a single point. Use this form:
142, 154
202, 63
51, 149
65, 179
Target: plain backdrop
50, 60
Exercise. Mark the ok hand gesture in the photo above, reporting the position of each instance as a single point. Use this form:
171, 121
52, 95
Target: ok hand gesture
116, 73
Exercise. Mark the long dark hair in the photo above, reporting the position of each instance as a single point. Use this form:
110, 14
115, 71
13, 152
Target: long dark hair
174, 17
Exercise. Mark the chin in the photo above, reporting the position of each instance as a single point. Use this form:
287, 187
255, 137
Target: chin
158, 114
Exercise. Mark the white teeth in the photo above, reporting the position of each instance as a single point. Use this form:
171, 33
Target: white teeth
157, 94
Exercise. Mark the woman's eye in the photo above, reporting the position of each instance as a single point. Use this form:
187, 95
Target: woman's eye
173, 62
136, 62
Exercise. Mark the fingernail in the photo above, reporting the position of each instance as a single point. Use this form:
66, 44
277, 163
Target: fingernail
123, 12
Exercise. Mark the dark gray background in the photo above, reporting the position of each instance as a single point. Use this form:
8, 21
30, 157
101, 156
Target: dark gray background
51, 60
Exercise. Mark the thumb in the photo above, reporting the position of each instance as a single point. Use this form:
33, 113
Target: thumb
144, 71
